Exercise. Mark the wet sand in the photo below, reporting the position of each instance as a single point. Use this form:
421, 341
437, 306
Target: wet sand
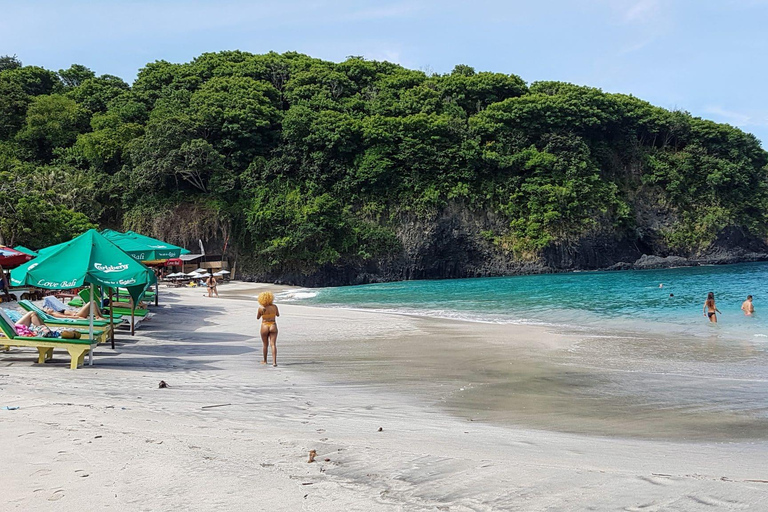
472, 417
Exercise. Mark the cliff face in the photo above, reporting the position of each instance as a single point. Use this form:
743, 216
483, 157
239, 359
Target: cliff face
453, 244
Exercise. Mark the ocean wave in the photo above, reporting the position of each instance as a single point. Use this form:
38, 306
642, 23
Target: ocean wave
463, 316
293, 295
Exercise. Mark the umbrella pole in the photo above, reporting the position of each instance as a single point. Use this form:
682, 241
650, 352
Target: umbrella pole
133, 318
90, 327
111, 319
157, 293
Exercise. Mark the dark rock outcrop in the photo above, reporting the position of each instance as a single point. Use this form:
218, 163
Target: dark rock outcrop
454, 244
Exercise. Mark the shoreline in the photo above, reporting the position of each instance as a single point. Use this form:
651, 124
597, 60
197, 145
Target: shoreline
109, 433
645, 262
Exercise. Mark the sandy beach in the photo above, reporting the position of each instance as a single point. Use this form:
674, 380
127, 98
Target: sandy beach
384, 400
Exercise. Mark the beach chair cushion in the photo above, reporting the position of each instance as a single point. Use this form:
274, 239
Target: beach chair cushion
7, 326
13, 316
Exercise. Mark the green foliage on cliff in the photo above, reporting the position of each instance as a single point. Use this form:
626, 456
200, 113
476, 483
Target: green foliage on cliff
306, 162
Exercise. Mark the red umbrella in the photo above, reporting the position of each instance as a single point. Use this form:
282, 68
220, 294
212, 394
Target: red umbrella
10, 258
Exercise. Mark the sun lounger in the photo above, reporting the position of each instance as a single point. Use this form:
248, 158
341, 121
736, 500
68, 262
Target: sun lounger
85, 296
77, 348
100, 332
123, 292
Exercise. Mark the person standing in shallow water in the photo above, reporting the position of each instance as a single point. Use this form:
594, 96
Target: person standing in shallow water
212, 284
268, 313
747, 307
710, 309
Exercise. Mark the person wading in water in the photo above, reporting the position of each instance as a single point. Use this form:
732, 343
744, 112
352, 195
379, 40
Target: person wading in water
710, 309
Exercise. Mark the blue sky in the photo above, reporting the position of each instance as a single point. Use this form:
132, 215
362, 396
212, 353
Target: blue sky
704, 56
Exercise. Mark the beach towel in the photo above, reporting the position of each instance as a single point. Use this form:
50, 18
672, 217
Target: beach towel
53, 303
15, 316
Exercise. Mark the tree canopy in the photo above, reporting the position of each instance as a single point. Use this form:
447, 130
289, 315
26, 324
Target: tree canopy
305, 163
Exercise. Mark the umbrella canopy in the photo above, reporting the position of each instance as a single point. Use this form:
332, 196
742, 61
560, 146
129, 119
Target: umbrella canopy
142, 248
23, 249
154, 241
10, 258
89, 258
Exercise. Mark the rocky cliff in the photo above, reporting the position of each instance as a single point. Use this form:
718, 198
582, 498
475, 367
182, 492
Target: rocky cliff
454, 244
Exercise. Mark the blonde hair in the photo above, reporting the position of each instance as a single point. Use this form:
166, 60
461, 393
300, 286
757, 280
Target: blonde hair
266, 298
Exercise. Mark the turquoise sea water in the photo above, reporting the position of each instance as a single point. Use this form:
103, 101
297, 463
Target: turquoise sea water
628, 300
644, 363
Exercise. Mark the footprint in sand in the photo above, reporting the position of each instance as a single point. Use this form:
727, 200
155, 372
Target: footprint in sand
41, 472
57, 495
655, 480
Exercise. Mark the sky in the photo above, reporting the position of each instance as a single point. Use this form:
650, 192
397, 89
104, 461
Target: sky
707, 57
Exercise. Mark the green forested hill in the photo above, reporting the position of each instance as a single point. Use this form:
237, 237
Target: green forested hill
363, 170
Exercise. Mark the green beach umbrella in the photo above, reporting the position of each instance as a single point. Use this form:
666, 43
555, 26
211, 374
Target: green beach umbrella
143, 248
88, 259
159, 245
23, 249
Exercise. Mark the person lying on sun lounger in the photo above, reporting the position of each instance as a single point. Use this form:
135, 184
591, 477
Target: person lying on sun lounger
55, 307
32, 322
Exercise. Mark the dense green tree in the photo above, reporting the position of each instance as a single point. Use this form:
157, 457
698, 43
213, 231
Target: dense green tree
33, 80
52, 122
307, 163
96, 93
75, 75
13, 107
9, 62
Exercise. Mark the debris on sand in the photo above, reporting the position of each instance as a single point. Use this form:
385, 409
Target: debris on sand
163, 384
212, 406
312, 455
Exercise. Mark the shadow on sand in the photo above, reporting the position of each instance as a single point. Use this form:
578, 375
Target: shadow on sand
177, 346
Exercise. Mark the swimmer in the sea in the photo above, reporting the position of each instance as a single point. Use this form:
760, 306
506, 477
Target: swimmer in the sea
747, 307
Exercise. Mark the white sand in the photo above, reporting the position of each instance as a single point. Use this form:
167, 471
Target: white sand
106, 438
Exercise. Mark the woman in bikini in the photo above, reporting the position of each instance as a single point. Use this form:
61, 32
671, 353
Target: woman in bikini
710, 309
268, 313
212, 284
